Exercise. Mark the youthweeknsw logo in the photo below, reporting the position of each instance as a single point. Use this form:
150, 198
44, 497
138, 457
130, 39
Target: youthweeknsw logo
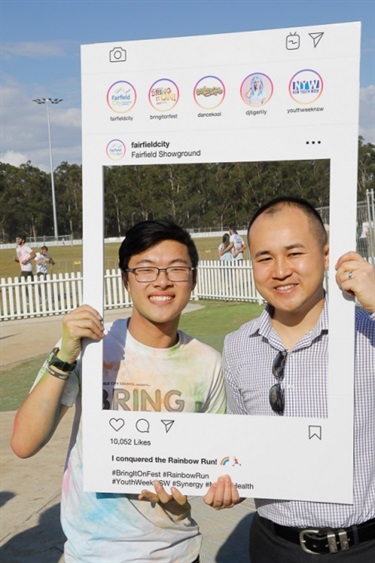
306, 86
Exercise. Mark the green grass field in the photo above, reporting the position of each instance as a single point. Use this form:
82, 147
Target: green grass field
209, 325
69, 258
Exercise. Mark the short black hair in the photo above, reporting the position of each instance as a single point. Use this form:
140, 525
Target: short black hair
44, 247
146, 234
278, 203
22, 237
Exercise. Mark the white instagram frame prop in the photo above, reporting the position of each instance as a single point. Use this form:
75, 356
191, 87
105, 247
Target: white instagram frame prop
189, 95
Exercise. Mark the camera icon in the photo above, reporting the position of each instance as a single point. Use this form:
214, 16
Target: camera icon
117, 55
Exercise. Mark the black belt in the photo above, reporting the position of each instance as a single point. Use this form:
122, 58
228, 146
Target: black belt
325, 540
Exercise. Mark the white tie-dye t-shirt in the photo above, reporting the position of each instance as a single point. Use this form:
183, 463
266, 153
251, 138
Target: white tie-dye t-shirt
118, 528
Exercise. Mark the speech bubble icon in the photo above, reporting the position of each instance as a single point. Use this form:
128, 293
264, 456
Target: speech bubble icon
116, 423
142, 425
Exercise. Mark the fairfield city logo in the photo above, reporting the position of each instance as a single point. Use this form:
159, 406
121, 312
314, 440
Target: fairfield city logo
121, 96
306, 86
116, 149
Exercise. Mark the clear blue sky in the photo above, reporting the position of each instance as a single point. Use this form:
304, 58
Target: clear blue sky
40, 55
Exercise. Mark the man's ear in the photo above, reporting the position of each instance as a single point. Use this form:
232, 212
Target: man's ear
125, 280
326, 256
194, 280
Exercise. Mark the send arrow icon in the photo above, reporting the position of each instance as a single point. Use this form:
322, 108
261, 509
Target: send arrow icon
168, 425
316, 37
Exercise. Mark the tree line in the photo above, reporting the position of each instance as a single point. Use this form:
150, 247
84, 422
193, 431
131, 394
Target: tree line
196, 196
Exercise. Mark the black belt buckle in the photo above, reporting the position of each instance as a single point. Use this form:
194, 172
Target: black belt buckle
329, 536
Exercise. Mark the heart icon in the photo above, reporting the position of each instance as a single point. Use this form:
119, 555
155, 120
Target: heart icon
117, 423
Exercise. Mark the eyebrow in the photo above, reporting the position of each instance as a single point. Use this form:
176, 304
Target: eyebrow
146, 261
288, 247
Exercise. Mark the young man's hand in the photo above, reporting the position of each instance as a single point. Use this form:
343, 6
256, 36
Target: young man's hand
83, 322
175, 504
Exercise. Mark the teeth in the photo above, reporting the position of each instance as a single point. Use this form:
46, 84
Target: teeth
160, 298
284, 287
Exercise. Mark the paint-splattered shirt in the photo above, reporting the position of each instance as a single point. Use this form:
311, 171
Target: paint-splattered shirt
118, 528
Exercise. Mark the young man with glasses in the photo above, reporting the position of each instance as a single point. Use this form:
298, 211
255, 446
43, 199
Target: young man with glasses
276, 365
148, 365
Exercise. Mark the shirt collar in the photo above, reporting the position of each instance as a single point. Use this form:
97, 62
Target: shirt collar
262, 325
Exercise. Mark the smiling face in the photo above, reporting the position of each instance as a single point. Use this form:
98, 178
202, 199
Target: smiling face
157, 305
289, 263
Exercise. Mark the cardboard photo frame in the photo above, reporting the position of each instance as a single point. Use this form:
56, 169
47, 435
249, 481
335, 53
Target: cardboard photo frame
184, 100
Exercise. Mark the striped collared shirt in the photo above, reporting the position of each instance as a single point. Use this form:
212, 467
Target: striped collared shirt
247, 360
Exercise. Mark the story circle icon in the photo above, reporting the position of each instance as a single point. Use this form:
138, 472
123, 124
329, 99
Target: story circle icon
209, 92
256, 89
116, 149
164, 94
121, 96
306, 86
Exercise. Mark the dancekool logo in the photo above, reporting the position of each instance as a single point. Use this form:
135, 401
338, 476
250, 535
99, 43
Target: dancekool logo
116, 149
209, 92
306, 86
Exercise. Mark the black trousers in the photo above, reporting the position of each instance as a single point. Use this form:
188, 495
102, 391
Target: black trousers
266, 547
26, 275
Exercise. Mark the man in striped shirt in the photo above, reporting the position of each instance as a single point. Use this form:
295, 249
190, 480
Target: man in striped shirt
289, 343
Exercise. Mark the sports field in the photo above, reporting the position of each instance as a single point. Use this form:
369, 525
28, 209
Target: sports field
68, 258
209, 324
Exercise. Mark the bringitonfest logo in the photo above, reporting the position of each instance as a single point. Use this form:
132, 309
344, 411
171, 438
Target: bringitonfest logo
163, 94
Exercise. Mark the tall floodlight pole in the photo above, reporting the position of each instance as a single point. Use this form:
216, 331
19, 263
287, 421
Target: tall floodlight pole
46, 102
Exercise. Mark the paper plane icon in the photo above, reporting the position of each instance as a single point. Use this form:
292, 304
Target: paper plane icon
316, 37
168, 424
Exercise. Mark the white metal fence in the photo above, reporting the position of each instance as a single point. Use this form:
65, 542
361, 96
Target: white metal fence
60, 293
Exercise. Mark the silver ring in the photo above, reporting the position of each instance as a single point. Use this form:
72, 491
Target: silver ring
350, 275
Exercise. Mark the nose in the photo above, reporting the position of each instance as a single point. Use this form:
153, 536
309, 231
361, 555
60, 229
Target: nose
162, 279
282, 269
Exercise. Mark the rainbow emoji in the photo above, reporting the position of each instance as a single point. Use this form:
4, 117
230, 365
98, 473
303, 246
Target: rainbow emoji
225, 460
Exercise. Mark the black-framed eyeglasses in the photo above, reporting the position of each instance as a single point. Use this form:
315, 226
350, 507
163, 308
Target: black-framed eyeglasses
147, 274
277, 394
